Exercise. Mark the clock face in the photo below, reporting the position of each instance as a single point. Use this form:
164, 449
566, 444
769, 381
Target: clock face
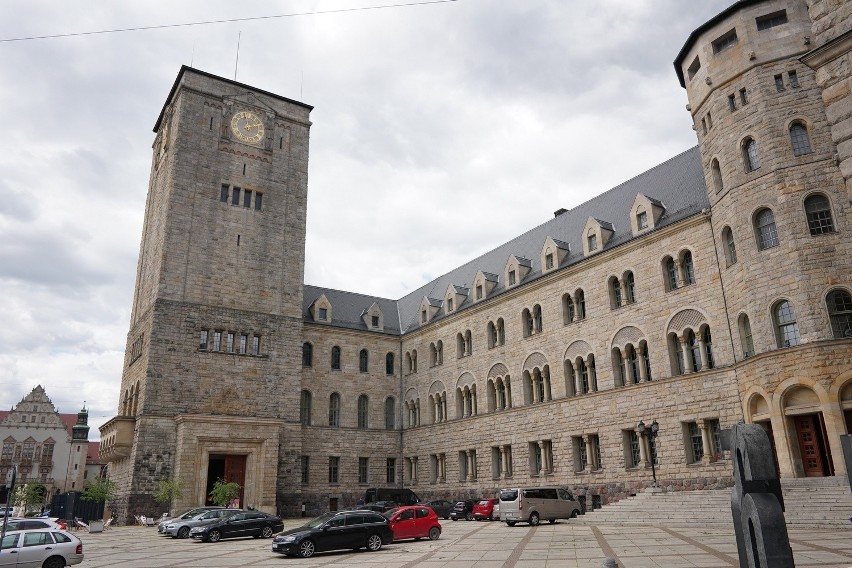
247, 127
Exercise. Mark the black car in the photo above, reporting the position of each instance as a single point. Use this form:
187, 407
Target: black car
379, 506
441, 507
335, 531
242, 524
463, 510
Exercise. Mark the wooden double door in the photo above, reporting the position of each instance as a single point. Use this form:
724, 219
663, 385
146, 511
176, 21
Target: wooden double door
813, 447
228, 468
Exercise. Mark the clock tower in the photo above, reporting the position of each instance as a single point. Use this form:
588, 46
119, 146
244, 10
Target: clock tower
210, 385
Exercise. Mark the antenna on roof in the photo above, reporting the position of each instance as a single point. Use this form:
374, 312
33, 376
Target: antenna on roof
237, 62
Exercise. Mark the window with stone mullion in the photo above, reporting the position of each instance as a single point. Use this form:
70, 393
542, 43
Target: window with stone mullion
635, 455
840, 313
695, 442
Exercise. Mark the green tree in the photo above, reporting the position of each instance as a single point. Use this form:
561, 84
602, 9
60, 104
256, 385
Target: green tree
224, 492
30, 493
100, 490
169, 490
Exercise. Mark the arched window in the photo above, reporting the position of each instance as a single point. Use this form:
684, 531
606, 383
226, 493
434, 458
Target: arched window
363, 411
390, 413
527, 322
633, 365
729, 246
630, 286
501, 332
501, 395
537, 321
746, 341
818, 212
433, 355
335, 358
694, 354
717, 175
567, 309
439, 352
614, 292
580, 298
389, 364
799, 139
786, 328
840, 313
751, 159
459, 345
305, 408
675, 354
764, 227
363, 361
414, 361
492, 335
468, 343
307, 355
688, 268
618, 368
583, 376
708, 347
334, 409
670, 273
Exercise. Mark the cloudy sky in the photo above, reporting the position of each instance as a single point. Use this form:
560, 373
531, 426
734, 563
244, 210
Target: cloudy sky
439, 132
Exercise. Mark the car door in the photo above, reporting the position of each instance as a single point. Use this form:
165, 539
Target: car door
252, 524
422, 523
34, 548
9, 552
333, 534
404, 524
235, 525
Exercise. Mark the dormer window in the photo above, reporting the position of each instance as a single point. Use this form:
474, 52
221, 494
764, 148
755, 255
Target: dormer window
479, 292
593, 242
548, 260
642, 220
323, 314
512, 278
449, 305
423, 316
375, 321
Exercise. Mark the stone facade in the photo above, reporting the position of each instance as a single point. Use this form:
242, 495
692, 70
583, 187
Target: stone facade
671, 298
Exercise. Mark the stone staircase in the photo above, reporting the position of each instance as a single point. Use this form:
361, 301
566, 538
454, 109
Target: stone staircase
823, 502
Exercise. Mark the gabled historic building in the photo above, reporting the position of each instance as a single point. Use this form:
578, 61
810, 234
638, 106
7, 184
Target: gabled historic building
46, 446
715, 287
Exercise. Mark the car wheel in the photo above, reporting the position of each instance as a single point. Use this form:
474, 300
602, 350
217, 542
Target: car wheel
214, 535
54, 562
534, 519
510, 523
266, 532
306, 548
468, 517
434, 533
454, 519
374, 542
447, 518
574, 514
183, 532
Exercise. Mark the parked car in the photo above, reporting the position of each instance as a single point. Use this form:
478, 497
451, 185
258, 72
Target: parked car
484, 509
19, 524
495, 513
403, 496
241, 524
45, 548
335, 531
534, 504
379, 506
181, 528
185, 515
414, 521
442, 507
463, 510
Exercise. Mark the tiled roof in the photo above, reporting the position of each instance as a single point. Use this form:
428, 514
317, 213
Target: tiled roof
677, 182
68, 420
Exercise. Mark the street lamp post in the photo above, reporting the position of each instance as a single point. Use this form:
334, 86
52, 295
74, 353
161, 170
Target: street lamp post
9, 496
650, 433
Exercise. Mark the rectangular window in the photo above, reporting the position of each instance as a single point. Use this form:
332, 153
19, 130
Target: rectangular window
390, 470
375, 321
794, 79
693, 67
548, 261
479, 292
642, 220
334, 469
202, 339
595, 442
593, 242
771, 20
633, 452
306, 468
323, 314
725, 41
715, 434
235, 196
258, 201
732, 103
229, 343
423, 316
449, 304
581, 461
243, 343
696, 447
247, 198
363, 464
779, 83
217, 341
255, 345
223, 193
743, 97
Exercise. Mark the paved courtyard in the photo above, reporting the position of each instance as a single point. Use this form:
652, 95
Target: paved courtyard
473, 544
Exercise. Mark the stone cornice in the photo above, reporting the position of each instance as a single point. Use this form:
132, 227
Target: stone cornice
828, 52
227, 419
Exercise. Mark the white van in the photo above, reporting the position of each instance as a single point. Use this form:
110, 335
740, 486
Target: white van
535, 504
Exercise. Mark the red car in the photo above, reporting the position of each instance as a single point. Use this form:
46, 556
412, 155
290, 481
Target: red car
414, 521
484, 510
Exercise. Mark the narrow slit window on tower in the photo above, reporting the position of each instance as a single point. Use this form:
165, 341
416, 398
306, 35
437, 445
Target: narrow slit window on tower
743, 97
779, 83
244, 169
281, 143
238, 240
258, 201
794, 79
223, 193
732, 102
211, 123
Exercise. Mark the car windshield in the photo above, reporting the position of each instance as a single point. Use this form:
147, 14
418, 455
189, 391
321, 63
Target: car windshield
390, 513
319, 521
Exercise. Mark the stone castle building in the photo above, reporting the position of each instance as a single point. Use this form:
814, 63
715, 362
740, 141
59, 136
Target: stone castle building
715, 287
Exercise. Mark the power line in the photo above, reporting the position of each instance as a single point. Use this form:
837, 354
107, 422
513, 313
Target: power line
227, 21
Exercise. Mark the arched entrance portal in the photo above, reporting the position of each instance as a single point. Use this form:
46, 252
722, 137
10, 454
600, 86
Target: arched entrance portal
808, 438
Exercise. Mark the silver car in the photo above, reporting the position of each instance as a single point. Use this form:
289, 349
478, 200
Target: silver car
43, 548
184, 516
180, 529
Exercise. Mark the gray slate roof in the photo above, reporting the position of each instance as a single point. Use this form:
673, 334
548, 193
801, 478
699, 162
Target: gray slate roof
678, 183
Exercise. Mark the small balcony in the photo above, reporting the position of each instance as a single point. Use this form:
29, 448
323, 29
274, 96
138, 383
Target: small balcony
117, 438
